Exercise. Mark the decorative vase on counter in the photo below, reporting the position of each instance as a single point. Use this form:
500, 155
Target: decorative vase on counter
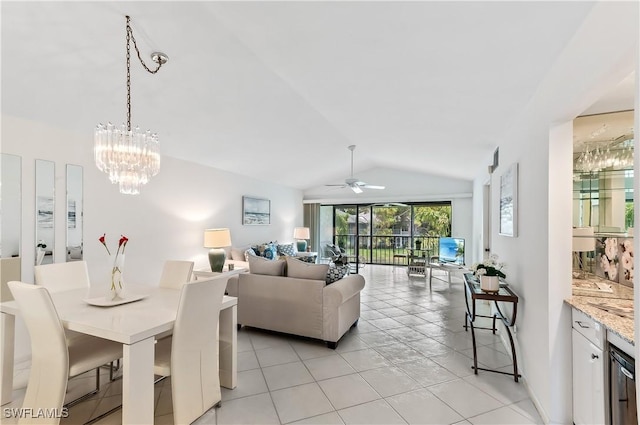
490, 283
117, 283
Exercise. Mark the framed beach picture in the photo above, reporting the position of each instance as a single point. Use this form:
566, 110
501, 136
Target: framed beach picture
256, 211
509, 202
71, 214
45, 211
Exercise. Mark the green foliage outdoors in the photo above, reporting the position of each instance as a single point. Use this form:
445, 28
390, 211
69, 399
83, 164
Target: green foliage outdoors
378, 240
628, 214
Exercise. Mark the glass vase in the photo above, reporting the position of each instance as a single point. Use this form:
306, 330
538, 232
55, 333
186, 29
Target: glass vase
117, 269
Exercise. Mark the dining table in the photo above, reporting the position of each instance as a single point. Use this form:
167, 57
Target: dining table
133, 324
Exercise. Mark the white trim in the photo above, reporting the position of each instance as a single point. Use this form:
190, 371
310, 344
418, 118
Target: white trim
413, 198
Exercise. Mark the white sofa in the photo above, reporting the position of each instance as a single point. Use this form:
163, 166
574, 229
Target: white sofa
299, 306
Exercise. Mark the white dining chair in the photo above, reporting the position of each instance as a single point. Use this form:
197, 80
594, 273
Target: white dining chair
54, 359
62, 276
176, 273
190, 356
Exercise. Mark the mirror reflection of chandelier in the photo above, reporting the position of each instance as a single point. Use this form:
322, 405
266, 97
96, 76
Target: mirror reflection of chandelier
617, 155
130, 156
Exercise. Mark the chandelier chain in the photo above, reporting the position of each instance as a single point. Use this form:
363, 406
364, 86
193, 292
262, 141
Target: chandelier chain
130, 156
131, 38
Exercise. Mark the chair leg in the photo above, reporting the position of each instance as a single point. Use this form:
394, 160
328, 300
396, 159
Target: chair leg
89, 394
162, 378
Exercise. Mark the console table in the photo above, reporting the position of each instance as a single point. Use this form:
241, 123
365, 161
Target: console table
473, 293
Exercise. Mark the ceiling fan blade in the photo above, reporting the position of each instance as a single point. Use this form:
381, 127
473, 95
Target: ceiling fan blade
371, 186
337, 185
355, 188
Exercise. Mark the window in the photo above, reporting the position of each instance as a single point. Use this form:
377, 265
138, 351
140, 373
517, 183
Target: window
374, 233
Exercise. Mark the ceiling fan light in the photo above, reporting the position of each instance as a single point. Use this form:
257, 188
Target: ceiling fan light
356, 188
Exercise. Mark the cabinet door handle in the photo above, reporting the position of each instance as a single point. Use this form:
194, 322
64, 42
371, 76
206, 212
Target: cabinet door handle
583, 326
594, 356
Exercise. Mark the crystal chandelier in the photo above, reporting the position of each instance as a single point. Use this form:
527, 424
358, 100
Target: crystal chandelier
619, 156
130, 157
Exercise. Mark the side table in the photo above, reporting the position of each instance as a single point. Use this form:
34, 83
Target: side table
205, 273
505, 294
448, 268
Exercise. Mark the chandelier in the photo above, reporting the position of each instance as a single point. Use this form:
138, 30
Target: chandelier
129, 156
617, 155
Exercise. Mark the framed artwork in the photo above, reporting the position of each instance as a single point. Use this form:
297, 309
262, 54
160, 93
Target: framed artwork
509, 202
71, 214
256, 211
45, 211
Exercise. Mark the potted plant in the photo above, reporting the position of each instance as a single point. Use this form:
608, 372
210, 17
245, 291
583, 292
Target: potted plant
489, 273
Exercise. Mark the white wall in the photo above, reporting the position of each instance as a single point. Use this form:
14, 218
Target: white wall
166, 221
400, 186
538, 260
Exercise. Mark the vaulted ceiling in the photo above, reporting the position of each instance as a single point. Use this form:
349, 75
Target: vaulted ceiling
278, 90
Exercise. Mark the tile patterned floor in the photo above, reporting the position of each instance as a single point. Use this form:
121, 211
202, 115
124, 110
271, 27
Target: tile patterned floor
407, 362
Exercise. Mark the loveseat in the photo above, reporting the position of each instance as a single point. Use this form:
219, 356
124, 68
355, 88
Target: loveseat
296, 299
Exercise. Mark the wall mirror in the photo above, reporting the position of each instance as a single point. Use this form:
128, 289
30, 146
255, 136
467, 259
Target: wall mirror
10, 205
45, 212
10, 222
74, 213
603, 172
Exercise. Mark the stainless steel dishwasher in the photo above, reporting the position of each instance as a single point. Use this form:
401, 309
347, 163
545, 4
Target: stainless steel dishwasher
622, 388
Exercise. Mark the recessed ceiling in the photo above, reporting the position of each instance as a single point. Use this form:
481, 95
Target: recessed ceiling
278, 90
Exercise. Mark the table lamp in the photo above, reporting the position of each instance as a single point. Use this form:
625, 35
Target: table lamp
301, 234
583, 241
216, 239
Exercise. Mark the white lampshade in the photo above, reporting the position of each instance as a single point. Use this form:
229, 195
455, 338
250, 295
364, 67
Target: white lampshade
217, 238
301, 233
583, 239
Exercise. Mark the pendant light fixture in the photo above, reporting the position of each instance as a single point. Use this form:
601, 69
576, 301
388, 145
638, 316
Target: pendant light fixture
130, 156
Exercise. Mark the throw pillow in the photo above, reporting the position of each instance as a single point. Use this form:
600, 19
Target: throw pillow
249, 253
308, 259
336, 273
237, 254
270, 252
287, 249
301, 270
260, 265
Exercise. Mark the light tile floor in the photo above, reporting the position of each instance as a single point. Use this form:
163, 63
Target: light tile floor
407, 362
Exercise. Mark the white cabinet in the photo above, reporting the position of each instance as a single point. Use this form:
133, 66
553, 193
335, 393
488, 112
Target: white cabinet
588, 371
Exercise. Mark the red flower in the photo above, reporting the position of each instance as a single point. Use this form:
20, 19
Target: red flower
101, 239
123, 242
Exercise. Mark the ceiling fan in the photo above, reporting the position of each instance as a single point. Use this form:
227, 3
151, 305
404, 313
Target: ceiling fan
353, 183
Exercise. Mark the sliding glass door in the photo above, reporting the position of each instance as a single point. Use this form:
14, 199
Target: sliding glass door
373, 234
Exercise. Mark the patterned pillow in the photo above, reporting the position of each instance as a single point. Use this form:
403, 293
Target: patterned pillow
270, 252
249, 253
287, 249
336, 273
309, 259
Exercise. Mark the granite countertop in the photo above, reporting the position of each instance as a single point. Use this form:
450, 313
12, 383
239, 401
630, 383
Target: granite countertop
613, 309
